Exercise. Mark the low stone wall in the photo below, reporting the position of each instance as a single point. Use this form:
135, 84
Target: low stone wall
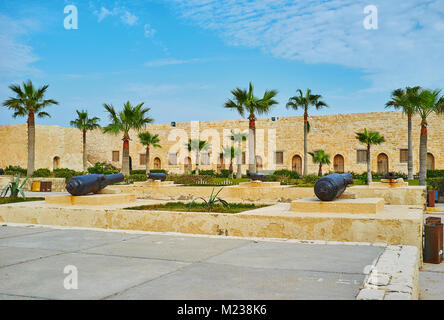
392, 196
395, 225
415, 195
395, 276
58, 184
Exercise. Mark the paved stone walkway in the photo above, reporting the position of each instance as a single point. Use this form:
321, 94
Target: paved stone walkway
131, 265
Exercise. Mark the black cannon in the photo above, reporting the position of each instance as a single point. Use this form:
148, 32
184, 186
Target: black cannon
157, 176
2, 172
256, 176
332, 186
391, 176
91, 183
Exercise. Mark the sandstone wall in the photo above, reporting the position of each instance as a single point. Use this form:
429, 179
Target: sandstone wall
335, 134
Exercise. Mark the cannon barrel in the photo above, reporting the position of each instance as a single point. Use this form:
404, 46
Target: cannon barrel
91, 183
332, 186
256, 176
157, 176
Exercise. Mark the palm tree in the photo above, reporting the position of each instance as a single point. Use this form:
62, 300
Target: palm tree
244, 102
304, 102
148, 140
231, 153
197, 146
369, 138
320, 157
129, 118
28, 103
429, 102
238, 137
84, 123
406, 100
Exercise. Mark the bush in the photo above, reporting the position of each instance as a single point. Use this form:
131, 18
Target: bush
287, 173
210, 173
42, 173
158, 171
435, 173
102, 168
224, 173
137, 172
66, 173
15, 171
310, 179
135, 178
436, 184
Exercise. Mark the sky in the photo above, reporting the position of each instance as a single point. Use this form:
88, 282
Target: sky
183, 57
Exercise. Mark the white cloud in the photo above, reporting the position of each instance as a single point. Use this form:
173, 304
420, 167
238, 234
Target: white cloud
129, 18
16, 57
168, 62
407, 48
148, 31
103, 13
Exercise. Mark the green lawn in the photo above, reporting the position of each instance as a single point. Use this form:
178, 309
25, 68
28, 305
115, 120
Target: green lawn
199, 207
14, 200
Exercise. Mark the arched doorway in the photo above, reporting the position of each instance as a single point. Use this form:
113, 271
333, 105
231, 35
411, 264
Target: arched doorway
430, 161
56, 163
187, 165
383, 163
157, 164
259, 164
296, 164
338, 163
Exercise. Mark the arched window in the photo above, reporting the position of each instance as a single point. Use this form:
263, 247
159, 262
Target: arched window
56, 163
157, 163
296, 164
383, 163
430, 161
338, 163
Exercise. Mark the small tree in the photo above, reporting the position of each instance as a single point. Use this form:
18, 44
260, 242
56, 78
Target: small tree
238, 137
320, 157
197, 146
231, 152
84, 124
369, 138
149, 140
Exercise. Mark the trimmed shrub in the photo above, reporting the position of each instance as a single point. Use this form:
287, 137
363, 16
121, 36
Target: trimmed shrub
16, 171
210, 173
135, 178
158, 171
102, 168
66, 173
287, 173
435, 173
137, 172
310, 179
42, 173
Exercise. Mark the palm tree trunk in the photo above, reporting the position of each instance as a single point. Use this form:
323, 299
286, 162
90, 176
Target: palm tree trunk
85, 165
369, 168
147, 161
320, 170
239, 162
252, 144
423, 153
31, 143
125, 156
305, 142
197, 163
231, 168
410, 149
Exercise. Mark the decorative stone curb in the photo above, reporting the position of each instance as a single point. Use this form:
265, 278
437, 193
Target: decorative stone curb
394, 276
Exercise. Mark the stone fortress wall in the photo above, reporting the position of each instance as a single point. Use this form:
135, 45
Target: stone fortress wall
335, 134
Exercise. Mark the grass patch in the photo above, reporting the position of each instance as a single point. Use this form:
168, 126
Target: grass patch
14, 200
199, 207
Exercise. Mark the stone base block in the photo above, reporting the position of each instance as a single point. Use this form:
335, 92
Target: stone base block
91, 200
387, 184
257, 183
153, 183
354, 206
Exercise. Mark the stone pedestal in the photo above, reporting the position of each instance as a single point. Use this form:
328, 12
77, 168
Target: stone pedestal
258, 183
389, 183
345, 206
153, 183
91, 200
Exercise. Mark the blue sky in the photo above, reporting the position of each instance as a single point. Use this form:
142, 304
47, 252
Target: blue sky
182, 58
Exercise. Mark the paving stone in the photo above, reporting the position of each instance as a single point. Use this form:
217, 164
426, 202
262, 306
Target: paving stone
397, 296
371, 294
